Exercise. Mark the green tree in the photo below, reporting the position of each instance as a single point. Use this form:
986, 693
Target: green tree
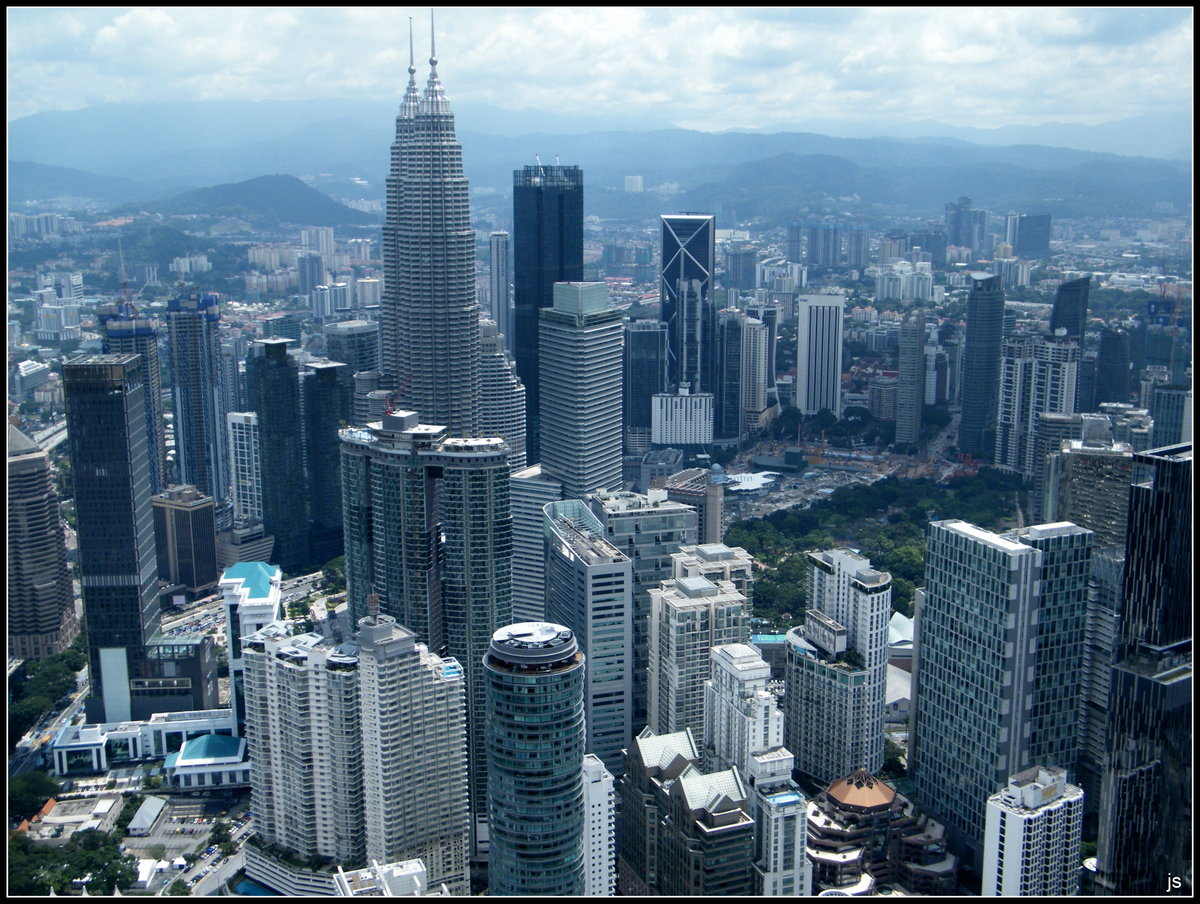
334, 574
28, 793
219, 833
178, 887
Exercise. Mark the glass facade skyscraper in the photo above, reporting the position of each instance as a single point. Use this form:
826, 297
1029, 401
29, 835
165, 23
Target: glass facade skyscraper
200, 444
981, 366
686, 297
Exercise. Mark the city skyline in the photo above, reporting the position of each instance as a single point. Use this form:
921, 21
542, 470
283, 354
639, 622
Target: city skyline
766, 69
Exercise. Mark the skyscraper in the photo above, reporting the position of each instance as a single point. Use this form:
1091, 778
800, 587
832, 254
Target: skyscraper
429, 317
325, 408
1070, 307
41, 602
500, 281
999, 645
274, 382
824, 246
535, 746
1034, 826
355, 343
530, 492
686, 298
1038, 375
981, 366
580, 356
819, 349
910, 397
185, 538
195, 373
645, 375
245, 469
1112, 368
599, 845
126, 332
106, 427
502, 395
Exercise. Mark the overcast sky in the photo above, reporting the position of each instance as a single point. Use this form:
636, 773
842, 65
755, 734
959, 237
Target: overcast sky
706, 69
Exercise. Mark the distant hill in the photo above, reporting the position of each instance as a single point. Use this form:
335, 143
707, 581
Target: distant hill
272, 200
32, 182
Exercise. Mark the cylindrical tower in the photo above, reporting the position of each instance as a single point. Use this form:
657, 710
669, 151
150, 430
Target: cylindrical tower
535, 746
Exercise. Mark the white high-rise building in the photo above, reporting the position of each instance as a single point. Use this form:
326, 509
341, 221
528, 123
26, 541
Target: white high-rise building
244, 465
581, 343
688, 617
717, 562
589, 588
251, 597
1037, 376
1032, 837
414, 751
819, 353
317, 238
837, 668
599, 839
681, 418
530, 492
757, 406
502, 395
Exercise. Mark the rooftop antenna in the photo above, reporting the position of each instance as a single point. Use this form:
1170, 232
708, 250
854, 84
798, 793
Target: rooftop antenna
373, 605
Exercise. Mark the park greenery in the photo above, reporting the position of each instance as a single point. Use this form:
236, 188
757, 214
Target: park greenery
39, 869
46, 681
886, 522
28, 793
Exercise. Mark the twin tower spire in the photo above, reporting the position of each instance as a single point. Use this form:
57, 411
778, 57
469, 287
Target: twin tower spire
435, 94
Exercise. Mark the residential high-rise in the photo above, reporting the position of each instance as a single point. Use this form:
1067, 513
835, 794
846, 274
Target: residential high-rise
185, 537
355, 343
1038, 375
589, 588
428, 527
1088, 485
273, 379
819, 351
966, 226
1070, 307
695, 487
429, 316
500, 281
645, 375
414, 752
837, 668
686, 297
981, 366
535, 746
325, 408
251, 597
688, 617
547, 249
1050, 431
310, 271
858, 247
1032, 837
580, 356
599, 840
502, 394
999, 645
824, 246
192, 321
41, 602
126, 332
910, 396
245, 470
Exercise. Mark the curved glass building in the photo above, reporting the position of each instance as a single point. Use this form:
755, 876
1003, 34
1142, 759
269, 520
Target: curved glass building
535, 746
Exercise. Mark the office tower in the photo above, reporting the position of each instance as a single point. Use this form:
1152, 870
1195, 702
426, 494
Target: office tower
589, 588
744, 732
414, 752
966, 226
795, 242
232, 368
245, 470
819, 347
682, 832
1029, 234
502, 395
1088, 485
645, 375
1101, 651
681, 419
741, 269
837, 668
274, 382
310, 272
429, 316
355, 343
1112, 368
41, 602
757, 406
1032, 838
192, 321
1038, 376
500, 279
185, 539
688, 617
648, 529
106, 427
686, 298
428, 527
530, 491
1070, 307
726, 386
1050, 431
981, 366
695, 487
126, 332
251, 598
535, 745
547, 249
858, 246
579, 357
304, 736
325, 396
1172, 410
910, 396
824, 247
999, 640
599, 845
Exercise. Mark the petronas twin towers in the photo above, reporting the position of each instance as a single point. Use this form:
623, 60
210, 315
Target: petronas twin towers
430, 319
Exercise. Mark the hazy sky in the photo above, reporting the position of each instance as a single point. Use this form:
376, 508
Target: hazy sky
705, 69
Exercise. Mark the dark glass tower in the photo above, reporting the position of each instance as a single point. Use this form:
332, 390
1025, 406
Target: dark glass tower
1112, 368
429, 318
1070, 307
548, 248
981, 366
645, 374
326, 396
274, 382
200, 443
126, 332
106, 427
685, 291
